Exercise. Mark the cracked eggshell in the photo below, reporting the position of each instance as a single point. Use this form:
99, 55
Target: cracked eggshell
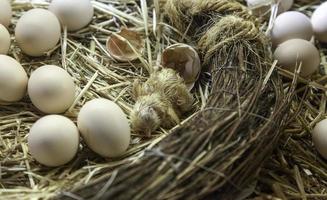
118, 45
5, 12
293, 52
319, 22
72, 13
319, 137
291, 25
4, 40
104, 127
51, 89
37, 32
185, 60
13, 80
53, 140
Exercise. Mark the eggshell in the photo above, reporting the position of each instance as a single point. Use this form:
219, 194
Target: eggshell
104, 127
262, 7
5, 12
319, 22
13, 80
319, 137
290, 25
4, 40
53, 140
73, 14
37, 32
293, 52
51, 89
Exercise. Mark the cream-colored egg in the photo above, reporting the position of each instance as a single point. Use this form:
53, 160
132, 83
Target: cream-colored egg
37, 32
51, 89
53, 140
319, 137
73, 14
4, 40
290, 25
104, 127
13, 80
319, 22
292, 53
5, 13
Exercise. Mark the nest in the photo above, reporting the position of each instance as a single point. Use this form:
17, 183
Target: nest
217, 151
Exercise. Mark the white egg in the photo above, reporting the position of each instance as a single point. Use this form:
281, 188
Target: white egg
4, 40
104, 127
53, 140
262, 7
5, 12
51, 89
319, 22
37, 32
319, 137
13, 80
73, 14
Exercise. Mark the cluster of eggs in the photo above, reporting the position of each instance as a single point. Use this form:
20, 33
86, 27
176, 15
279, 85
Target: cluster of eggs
54, 139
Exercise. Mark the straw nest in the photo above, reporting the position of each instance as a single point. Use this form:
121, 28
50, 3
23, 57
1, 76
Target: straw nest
217, 151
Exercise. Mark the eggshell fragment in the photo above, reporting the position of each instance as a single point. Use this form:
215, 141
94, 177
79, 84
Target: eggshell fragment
13, 80
319, 137
5, 12
51, 89
4, 40
185, 60
104, 127
125, 46
319, 22
37, 32
53, 140
75, 15
294, 52
291, 25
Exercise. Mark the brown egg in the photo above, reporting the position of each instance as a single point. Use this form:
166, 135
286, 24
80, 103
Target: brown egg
4, 40
13, 80
294, 52
53, 140
319, 22
37, 32
5, 12
118, 45
75, 15
319, 137
51, 89
290, 25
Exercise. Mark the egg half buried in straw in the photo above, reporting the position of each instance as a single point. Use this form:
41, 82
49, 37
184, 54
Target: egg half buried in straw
51, 89
319, 22
185, 60
13, 80
104, 127
73, 14
4, 40
262, 7
37, 32
291, 25
319, 137
53, 140
296, 52
125, 46
5, 12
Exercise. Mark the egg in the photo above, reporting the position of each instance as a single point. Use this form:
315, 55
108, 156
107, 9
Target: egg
104, 127
75, 15
319, 22
295, 51
53, 140
262, 7
5, 12
51, 89
4, 40
290, 25
183, 59
37, 32
319, 137
13, 80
